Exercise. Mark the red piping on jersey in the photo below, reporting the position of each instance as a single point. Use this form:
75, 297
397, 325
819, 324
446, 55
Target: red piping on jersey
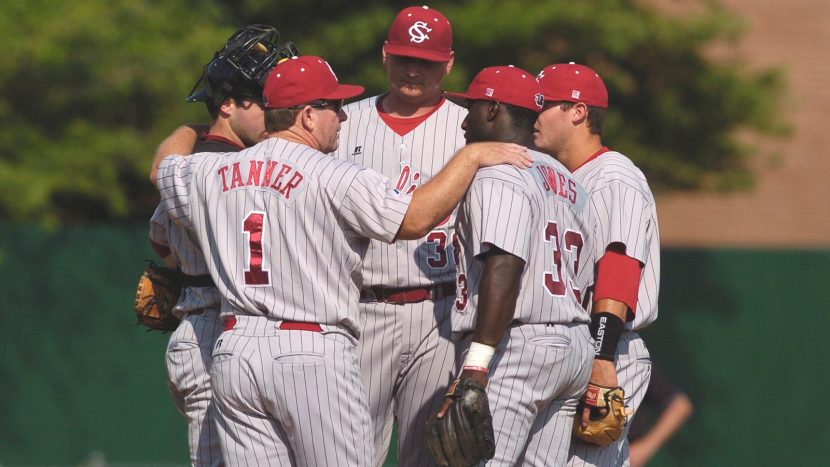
601, 151
618, 278
222, 139
403, 125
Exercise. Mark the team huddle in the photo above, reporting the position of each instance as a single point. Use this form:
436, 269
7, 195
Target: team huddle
471, 267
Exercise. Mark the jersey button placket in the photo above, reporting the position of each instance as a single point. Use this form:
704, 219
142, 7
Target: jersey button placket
405, 157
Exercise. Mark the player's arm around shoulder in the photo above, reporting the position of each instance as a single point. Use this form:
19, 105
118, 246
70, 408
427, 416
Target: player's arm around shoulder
433, 201
181, 141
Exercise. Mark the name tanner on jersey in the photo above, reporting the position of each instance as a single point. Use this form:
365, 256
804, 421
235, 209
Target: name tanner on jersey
258, 173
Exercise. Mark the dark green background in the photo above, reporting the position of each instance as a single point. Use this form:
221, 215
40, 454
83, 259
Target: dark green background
743, 331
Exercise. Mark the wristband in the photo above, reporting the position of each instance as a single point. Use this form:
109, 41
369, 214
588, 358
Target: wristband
478, 357
606, 329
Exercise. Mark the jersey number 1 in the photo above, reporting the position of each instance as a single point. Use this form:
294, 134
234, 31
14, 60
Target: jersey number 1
252, 228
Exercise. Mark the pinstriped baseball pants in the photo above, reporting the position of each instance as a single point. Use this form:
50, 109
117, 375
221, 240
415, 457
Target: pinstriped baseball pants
289, 397
188, 358
407, 361
537, 376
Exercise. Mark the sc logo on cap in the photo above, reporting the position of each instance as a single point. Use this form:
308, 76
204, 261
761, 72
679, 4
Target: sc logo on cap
418, 32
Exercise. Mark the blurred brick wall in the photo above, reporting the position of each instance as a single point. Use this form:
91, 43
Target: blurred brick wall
790, 205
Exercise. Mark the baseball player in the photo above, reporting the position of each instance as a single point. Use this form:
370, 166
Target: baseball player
283, 227
408, 134
524, 247
232, 92
627, 244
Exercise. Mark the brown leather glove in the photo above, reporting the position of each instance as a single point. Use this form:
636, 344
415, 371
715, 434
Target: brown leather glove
157, 293
607, 415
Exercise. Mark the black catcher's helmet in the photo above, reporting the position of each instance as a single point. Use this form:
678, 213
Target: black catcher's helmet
240, 68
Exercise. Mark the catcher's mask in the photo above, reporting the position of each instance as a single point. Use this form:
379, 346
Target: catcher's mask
240, 68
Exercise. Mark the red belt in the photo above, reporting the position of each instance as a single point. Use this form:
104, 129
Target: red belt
399, 296
285, 325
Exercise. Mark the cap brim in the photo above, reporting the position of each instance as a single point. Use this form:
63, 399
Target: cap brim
345, 91
567, 98
558, 98
424, 54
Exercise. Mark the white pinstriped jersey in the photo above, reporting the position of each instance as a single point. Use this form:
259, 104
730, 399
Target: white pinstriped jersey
539, 214
626, 213
185, 251
283, 226
408, 161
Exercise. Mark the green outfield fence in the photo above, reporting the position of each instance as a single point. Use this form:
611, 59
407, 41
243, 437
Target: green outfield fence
743, 331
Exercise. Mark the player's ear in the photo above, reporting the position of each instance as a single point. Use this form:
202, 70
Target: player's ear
579, 113
228, 106
305, 119
448, 65
493, 109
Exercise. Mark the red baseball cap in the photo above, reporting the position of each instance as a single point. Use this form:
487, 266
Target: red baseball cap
420, 32
506, 84
301, 80
573, 83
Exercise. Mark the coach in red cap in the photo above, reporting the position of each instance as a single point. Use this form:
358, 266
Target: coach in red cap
304, 101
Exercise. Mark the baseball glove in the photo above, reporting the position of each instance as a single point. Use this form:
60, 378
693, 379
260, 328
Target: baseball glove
607, 415
464, 435
157, 293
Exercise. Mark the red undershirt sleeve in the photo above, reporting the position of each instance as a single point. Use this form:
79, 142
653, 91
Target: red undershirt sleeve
618, 278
